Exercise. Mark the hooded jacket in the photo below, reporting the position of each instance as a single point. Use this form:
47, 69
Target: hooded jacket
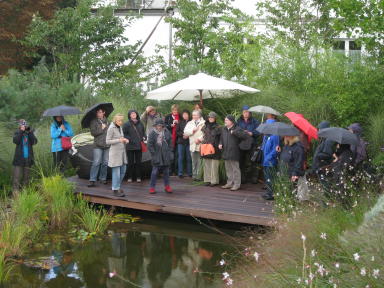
134, 132
292, 159
180, 132
324, 152
160, 154
360, 150
57, 133
270, 142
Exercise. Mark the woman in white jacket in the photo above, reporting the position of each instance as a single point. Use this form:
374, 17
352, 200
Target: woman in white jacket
193, 132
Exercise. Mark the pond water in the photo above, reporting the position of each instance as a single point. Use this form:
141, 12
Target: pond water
155, 252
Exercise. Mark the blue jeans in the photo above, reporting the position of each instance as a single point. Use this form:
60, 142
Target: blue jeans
100, 163
184, 154
269, 174
155, 172
118, 174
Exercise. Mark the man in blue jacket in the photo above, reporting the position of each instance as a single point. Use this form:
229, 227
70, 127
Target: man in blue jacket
269, 147
249, 125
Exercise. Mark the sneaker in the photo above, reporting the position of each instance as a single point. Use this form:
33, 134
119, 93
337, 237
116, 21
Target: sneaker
168, 189
227, 186
91, 184
138, 180
152, 190
129, 180
235, 188
105, 182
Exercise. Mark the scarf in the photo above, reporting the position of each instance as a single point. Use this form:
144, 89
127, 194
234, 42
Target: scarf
174, 129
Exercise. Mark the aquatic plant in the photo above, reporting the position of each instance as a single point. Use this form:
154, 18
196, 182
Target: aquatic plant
59, 195
93, 220
6, 267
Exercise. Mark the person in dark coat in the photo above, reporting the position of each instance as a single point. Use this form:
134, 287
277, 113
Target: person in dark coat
23, 160
183, 151
211, 132
231, 136
171, 122
159, 145
324, 152
360, 150
134, 131
99, 127
292, 158
249, 125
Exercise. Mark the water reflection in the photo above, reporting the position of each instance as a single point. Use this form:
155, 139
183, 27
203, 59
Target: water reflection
128, 259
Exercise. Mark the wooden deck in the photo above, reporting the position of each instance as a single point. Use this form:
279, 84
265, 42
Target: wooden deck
243, 206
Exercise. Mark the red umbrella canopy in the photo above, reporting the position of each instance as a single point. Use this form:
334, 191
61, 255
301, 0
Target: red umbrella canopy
303, 124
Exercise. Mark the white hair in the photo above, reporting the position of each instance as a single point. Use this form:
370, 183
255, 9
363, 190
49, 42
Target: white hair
197, 112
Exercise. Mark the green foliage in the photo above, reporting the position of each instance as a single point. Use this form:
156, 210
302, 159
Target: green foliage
59, 194
83, 45
13, 235
375, 133
6, 267
94, 221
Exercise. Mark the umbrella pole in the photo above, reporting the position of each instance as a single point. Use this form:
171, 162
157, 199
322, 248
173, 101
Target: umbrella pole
262, 118
201, 97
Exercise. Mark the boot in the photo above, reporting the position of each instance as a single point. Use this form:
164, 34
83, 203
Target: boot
118, 193
91, 184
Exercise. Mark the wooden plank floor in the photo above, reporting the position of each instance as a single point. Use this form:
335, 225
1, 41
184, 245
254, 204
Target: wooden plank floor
243, 206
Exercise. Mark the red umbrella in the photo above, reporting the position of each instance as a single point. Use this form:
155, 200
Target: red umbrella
303, 124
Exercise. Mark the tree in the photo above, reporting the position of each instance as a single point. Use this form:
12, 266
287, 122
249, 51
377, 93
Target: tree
364, 20
83, 45
210, 37
299, 22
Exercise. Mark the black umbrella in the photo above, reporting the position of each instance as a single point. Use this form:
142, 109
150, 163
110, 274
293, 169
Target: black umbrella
339, 135
61, 111
278, 128
90, 113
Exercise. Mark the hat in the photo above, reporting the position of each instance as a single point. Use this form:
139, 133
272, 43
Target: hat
22, 122
356, 128
212, 115
245, 108
324, 124
230, 118
159, 122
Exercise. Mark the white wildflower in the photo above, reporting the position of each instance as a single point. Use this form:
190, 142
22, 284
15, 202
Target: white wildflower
303, 237
313, 253
337, 265
222, 262
256, 255
356, 256
375, 273
323, 236
229, 282
225, 276
363, 272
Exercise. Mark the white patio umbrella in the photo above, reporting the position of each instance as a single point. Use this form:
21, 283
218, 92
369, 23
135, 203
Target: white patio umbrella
198, 87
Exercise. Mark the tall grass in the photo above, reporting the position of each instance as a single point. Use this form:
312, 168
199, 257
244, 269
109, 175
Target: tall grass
59, 194
14, 235
92, 220
6, 267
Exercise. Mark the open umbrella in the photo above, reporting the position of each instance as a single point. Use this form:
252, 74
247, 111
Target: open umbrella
339, 135
61, 111
90, 113
278, 128
198, 87
303, 124
264, 110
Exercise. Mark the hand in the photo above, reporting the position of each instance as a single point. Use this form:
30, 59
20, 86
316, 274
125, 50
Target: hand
294, 178
278, 149
335, 158
197, 141
126, 141
185, 136
175, 121
173, 125
220, 146
122, 139
195, 129
103, 126
62, 127
149, 109
250, 133
22, 128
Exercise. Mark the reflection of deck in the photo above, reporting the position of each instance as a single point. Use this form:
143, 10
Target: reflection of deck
243, 206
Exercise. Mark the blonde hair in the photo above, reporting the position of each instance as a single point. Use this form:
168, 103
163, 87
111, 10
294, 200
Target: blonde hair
117, 117
290, 140
175, 107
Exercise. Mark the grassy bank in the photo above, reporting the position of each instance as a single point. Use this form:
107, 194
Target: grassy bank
46, 205
318, 245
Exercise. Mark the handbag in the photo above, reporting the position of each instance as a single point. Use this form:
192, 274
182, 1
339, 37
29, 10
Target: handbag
66, 143
207, 149
257, 156
142, 144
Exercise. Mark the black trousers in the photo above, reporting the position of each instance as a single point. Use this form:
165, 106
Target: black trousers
249, 170
134, 163
60, 160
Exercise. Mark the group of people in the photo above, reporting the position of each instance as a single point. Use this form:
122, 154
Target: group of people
181, 143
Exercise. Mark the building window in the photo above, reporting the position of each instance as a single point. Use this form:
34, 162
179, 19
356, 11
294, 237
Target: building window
353, 45
338, 45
